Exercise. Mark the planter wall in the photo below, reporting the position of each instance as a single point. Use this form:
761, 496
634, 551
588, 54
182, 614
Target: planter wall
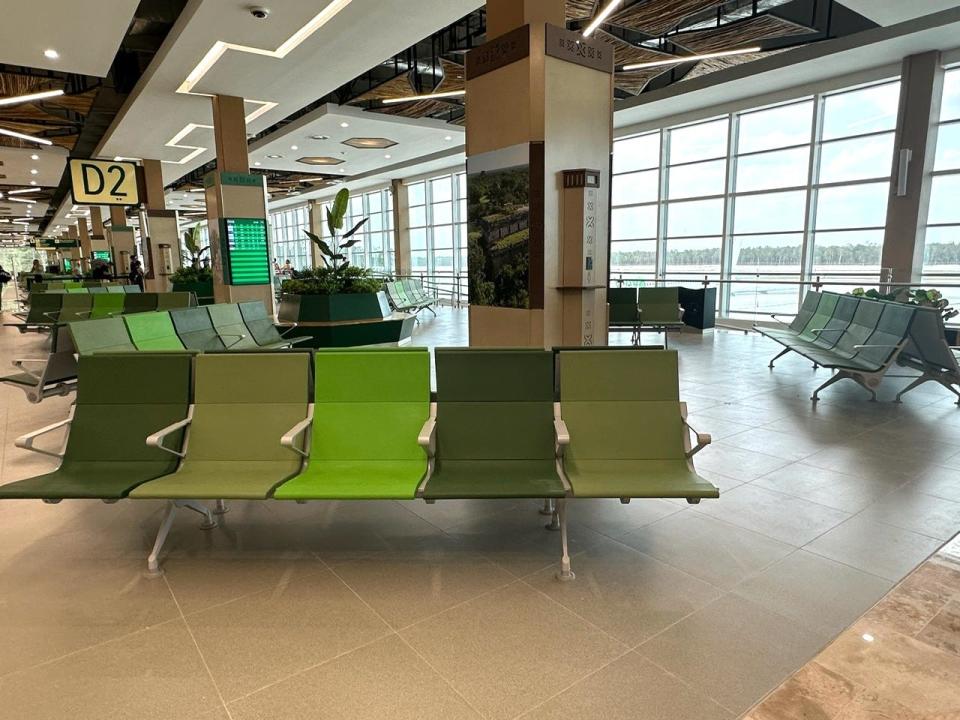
348, 307
203, 290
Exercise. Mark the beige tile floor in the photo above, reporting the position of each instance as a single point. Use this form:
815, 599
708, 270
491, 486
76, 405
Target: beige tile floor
404, 610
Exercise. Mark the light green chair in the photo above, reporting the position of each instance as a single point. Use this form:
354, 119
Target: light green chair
228, 322
106, 304
153, 331
99, 336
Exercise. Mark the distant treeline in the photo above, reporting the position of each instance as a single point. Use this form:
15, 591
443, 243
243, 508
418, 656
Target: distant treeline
936, 254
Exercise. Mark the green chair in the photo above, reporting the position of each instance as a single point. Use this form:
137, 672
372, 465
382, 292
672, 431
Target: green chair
69, 285
624, 312
928, 351
365, 427
244, 403
106, 304
229, 325
624, 433
99, 336
828, 335
48, 376
801, 320
56, 285
115, 289
153, 331
494, 432
174, 300
105, 454
660, 309
75, 307
36, 287
139, 302
132, 289
195, 329
92, 283
261, 327
43, 311
96, 289
82, 290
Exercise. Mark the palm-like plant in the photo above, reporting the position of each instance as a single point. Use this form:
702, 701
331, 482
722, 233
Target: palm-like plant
336, 213
191, 241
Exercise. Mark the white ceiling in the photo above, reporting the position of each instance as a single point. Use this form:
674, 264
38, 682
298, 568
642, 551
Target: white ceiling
17, 164
86, 33
889, 12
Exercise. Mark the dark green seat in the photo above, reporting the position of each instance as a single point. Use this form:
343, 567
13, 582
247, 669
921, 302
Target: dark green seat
801, 320
857, 332
106, 304
928, 351
75, 307
627, 427
623, 307
43, 310
78, 290
261, 327
174, 300
100, 336
365, 426
244, 403
195, 329
132, 289
229, 325
660, 307
96, 289
116, 289
106, 454
153, 331
494, 429
828, 335
139, 302
48, 376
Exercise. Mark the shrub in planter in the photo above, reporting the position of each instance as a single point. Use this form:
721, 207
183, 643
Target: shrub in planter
921, 297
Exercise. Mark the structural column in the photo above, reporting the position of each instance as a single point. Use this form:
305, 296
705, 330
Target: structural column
402, 264
120, 239
72, 253
237, 217
921, 90
160, 234
539, 137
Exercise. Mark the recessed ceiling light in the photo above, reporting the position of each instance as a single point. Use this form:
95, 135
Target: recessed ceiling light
448, 137
33, 182
367, 143
294, 147
319, 137
319, 160
344, 124
274, 157
257, 164
388, 156
51, 54
34, 171
34, 157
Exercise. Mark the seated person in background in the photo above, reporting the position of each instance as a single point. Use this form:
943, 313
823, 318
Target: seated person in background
37, 270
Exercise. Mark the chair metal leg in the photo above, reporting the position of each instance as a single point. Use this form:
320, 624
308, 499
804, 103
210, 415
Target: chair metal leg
209, 521
153, 564
835, 378
916, 383
565, 574
220, 508
554, 523
547, 508
778, 356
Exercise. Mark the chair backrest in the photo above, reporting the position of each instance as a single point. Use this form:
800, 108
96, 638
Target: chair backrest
659, 304
106, 305
105, 335
72, 285
260, 325
139, 302
56, 285
96, 289
38, 287
623, 304
289, 310
861, 327
370, 404
116, 409
44, 307
115, 289
494, 404
229, 325
810, 303
92, 283
153, 331
621, 405
172, 300
195, 329
78, 290
820, 318
245, 402
131, 288
892, 330
927, 345
831, 332
75, 307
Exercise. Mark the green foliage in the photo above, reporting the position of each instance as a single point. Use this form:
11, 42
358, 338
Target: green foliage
190, 274
923, 298
328, 281
191, 242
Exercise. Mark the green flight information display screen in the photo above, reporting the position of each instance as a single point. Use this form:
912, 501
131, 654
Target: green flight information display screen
101, 255
245, 252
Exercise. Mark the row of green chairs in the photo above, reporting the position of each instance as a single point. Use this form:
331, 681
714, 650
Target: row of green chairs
49, 309
635, 310
857, 338
82, 286
225, 326
409, 296
220, 426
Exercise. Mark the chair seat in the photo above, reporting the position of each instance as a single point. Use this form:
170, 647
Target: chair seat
355, 480
86, 479
220, 480
466, 479
637, 479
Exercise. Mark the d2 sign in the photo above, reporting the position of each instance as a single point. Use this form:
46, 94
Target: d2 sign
103, 182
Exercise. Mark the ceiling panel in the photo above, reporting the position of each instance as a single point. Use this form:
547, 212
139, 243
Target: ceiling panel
657, 16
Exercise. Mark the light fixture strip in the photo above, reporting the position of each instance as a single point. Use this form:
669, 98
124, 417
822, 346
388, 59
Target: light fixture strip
691, 58
430, 96
24, 191
601, 16
32, 96
22, 136
23, 200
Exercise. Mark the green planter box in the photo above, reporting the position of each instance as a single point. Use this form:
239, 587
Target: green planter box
347, 307
203, 290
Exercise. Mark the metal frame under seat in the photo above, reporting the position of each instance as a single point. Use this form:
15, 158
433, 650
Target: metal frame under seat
869, 380
57, 365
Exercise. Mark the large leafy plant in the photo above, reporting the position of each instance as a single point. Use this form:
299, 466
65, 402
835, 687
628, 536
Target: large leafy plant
923, 298
191, 242
333, 252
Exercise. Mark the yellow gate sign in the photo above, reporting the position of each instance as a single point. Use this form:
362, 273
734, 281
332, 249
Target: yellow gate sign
103, 182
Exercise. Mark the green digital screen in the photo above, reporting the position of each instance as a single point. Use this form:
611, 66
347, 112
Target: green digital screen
67, 264
101, 255
245, 252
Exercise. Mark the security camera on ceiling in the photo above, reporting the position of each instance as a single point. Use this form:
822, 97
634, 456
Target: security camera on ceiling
259, 12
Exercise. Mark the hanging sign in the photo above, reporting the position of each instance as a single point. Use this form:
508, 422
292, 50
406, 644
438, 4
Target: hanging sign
103, 182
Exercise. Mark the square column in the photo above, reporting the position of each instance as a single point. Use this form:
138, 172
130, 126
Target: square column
120, 238
161, 233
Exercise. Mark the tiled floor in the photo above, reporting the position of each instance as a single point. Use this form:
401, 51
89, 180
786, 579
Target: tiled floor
404, 610
899, 661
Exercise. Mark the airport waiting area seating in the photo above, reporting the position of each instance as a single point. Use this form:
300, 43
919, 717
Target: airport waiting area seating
358, 425
928, 351
47, 310
409, 296
858, 338
636, 310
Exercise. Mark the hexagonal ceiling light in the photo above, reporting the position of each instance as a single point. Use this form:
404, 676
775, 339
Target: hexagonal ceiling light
320, 160
370, 143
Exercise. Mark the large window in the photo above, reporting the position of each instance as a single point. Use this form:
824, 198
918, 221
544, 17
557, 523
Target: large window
764, 198
375, 247
942, 249
438, 229
289, 240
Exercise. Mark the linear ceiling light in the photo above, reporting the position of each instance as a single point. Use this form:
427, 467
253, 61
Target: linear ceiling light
21, 136
23, 200
28, 98
430, 96
601, 16
691, 58
24, 191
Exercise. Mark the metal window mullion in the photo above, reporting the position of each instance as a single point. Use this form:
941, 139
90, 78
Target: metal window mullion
813, 178
729, 208
660, 257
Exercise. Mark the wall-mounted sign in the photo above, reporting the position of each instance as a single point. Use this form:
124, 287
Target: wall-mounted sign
246, 256
501, 51
573, 47
103, 182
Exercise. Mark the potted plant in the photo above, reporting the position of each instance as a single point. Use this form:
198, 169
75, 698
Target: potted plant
193, 276
918, 296
336, 291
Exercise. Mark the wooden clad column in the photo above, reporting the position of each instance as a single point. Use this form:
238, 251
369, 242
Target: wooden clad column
120, 238
402, 263
161, 236
539, 136
237, 203
86, 250
73, 253
98, 236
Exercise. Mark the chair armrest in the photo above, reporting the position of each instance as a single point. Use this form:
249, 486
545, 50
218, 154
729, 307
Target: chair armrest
703, 439
238, 339
19, 365
773, 316
859, 347
289, 437
561, 435
26, 441
289, 329
156, 440
427, 439
823, 330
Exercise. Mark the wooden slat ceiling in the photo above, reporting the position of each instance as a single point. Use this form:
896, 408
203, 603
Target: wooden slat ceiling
579, 9
624, 53
453, 79
740, 34
38, 118
655, 17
